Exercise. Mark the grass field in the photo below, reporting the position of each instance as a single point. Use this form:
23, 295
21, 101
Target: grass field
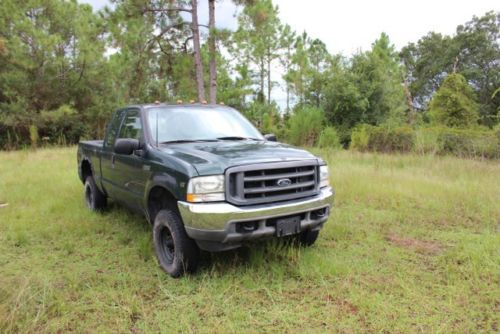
413, 245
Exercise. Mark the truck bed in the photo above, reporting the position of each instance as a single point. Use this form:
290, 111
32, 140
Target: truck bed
90, 150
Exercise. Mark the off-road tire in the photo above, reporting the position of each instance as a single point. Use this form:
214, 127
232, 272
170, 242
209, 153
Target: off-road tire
176, 252
94, 198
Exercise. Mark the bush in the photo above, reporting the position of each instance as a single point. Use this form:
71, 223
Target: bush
329, 138
34, 136
360, 136
466, 143
305, 126
62, 126
470, 143
427, 141
382, 139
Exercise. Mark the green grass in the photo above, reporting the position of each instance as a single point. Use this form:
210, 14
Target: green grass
413, 245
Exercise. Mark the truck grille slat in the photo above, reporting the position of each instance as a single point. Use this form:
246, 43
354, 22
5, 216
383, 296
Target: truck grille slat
271, 189
272, 182
272, 177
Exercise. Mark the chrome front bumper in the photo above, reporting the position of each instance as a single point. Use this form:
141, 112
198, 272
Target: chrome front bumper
214, 225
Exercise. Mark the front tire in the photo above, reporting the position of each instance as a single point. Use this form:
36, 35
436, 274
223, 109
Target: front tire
94, 198
175, 251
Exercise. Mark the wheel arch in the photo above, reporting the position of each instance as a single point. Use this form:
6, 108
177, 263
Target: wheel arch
86, 169
159, 198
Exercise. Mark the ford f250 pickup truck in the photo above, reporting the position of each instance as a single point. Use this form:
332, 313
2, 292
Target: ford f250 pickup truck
205, 178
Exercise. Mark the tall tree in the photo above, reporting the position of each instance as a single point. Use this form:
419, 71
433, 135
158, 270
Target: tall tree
367, 89
379, 77
200, 84
212, 51
426, 64
297, 75
52, 56
473, 52
319, 60
287, 38
257, 41
478, 42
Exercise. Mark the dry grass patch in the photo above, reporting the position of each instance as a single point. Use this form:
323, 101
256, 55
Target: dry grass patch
419, 246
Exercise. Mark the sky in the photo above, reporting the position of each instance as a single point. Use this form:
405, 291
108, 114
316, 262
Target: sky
350, 25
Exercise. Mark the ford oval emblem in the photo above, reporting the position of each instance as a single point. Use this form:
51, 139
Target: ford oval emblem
283, 182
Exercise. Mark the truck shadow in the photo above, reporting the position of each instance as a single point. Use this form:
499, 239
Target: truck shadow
259, 254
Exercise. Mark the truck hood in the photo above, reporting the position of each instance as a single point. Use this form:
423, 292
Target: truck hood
211, 158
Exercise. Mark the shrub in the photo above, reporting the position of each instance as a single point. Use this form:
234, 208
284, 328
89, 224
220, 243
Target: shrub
427, 141
466, 143
382, 139
63, 125
470, 143
33, 136
329, 138
305, 126
360, 136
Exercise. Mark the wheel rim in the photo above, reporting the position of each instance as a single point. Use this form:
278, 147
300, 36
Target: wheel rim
167, 245
89, 196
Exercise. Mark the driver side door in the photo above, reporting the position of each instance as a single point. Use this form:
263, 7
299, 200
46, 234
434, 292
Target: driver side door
131, 171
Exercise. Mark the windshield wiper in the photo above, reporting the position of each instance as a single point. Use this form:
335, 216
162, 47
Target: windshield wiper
236, 138
179, 141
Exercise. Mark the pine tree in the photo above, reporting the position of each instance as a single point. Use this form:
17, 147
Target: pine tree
454, 103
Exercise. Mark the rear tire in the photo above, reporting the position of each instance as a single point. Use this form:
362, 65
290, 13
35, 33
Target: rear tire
308, 237
175, 251
94, 198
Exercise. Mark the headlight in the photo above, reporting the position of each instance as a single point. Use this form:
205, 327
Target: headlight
206, 189
324, 178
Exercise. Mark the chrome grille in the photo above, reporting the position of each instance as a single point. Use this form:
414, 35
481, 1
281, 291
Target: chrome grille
271, 182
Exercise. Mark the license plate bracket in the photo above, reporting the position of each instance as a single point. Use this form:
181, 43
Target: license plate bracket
287, 226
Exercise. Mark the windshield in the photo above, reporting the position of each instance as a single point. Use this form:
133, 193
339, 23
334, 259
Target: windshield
199, 124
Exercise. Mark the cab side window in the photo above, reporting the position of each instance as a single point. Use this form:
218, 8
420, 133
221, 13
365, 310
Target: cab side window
113, 129
131, 127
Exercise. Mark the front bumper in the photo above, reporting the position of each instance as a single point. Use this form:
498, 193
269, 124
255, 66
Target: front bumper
219, 226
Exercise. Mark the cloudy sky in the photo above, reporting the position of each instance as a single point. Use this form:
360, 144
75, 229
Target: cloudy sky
349, 25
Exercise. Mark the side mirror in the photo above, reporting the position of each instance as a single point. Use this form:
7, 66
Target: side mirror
270, 137
126, 146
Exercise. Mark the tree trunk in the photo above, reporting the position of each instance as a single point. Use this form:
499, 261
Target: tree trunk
409, 102
289, 56
269, 75
197, 51
262, 76
287, 97
213, 55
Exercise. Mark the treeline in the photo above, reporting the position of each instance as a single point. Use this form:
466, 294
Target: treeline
65, 68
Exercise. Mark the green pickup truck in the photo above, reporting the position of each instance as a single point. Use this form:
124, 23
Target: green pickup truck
205, 178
